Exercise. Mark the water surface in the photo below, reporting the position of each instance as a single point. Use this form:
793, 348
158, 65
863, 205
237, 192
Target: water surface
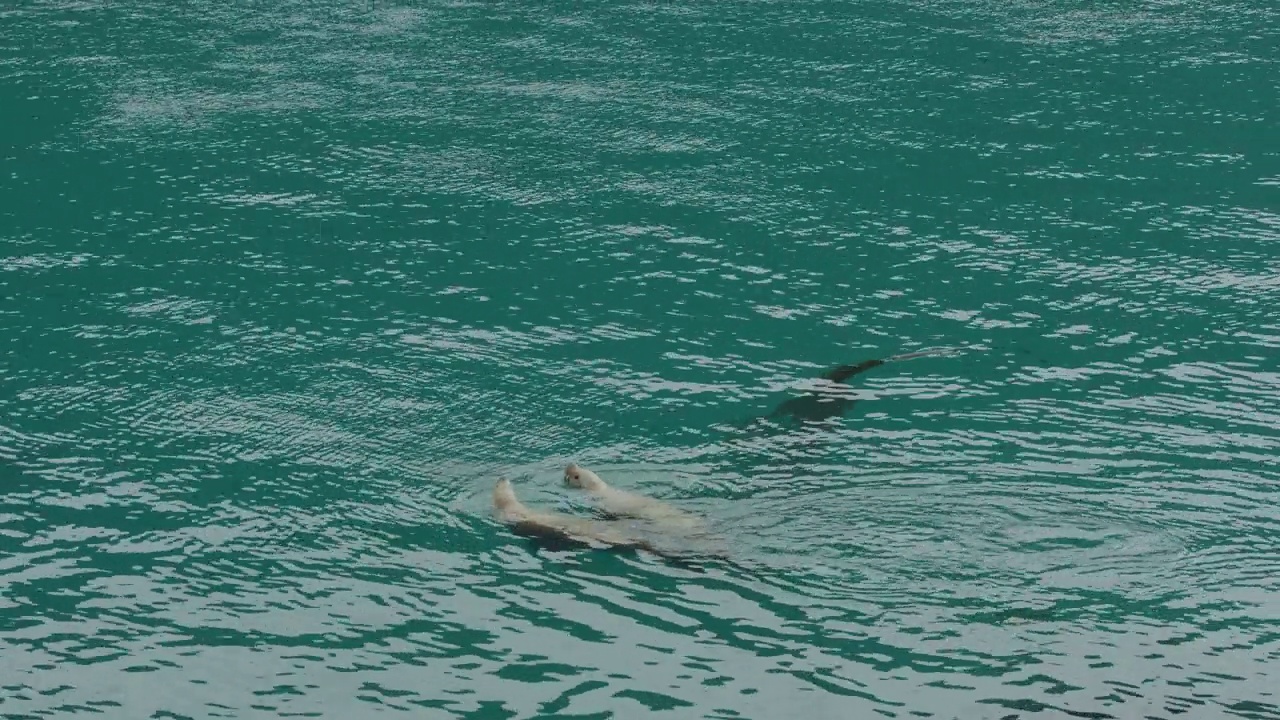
286, 286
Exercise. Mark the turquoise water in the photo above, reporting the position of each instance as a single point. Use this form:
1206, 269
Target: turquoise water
286, 286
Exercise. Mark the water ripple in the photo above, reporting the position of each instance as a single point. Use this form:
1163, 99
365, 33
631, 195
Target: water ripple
288, 287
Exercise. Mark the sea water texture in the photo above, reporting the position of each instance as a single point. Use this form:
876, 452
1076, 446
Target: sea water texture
286, 286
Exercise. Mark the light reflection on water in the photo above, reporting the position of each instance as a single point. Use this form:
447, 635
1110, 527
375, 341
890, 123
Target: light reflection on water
332, 270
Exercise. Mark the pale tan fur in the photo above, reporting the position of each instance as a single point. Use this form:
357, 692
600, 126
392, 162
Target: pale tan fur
629, 504
508, 510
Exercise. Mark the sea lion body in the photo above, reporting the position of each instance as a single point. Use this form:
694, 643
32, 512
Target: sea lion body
620, 503
547, 525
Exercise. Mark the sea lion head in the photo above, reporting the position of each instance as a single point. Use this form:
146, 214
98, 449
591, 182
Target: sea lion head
580, 477
504, 497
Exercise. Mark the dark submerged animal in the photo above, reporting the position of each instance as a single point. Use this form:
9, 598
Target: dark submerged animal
820, 406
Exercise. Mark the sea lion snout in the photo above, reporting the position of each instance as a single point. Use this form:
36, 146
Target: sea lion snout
572, 474
580, 477
504, 496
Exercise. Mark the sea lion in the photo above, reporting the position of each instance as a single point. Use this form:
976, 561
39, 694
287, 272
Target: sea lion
620, 503
558, 527
817, 406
